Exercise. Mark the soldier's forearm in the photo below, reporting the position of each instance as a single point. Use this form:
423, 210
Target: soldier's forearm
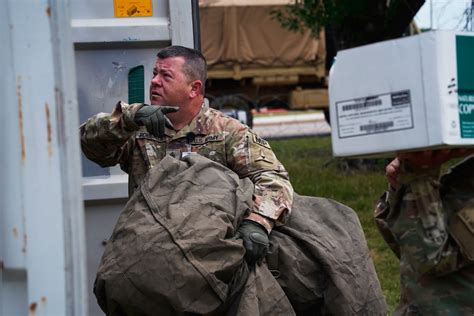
265, 222
104, 136
273, 196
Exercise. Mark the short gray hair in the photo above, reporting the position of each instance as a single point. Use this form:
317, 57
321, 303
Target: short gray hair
194, 67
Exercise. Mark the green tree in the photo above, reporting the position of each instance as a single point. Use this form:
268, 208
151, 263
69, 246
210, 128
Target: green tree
350, 23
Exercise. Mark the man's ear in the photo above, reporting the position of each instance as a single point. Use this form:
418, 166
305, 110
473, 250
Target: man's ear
196, 88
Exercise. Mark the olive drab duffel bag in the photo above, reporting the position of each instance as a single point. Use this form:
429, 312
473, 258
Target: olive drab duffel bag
334, 273
172, 252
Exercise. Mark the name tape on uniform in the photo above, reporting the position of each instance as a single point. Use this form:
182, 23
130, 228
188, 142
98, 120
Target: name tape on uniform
207, 139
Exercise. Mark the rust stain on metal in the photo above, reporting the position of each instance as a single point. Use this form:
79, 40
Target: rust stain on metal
20, 120
48, 11
15, 232
49, 130
33, 307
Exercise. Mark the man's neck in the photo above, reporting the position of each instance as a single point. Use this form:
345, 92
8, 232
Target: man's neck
185, 115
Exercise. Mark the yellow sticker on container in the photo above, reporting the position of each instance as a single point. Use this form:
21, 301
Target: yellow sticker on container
132, 8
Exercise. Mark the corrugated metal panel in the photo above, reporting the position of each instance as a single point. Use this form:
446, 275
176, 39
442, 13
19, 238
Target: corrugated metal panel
44, 267
41, 220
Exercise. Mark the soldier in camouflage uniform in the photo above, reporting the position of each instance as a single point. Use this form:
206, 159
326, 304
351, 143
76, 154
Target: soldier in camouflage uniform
138, 136
429, 224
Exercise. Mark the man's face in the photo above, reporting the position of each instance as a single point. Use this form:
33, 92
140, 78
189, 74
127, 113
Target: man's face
169, 86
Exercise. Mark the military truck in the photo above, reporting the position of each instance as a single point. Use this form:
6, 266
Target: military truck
255, 63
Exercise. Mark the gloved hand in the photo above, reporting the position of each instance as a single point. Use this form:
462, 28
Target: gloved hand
255, 238
153, 118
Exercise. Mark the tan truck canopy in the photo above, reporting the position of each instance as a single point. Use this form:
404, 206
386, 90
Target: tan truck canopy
240, 39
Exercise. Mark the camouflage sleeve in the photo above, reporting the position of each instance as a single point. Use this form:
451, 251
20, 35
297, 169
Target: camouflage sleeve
251, 156
417, 221
106, 138
381, 216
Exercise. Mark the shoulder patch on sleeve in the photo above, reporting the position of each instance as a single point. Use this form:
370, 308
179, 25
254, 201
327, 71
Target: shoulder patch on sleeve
260, 141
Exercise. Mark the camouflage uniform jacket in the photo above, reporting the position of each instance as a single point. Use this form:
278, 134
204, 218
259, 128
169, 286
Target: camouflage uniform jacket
108, 139
418, 222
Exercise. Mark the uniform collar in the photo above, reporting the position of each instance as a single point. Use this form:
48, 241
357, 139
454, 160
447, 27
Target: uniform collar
196, 126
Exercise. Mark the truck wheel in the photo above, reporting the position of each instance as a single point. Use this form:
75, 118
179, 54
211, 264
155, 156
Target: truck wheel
236, 106
273, 101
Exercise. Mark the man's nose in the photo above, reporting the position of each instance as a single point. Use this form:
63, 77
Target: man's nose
156, 80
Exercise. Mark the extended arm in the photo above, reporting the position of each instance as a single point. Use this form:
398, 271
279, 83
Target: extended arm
106, 138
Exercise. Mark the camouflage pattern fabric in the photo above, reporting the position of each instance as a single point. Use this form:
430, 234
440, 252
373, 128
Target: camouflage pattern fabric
436, 276
114, 138
172, 252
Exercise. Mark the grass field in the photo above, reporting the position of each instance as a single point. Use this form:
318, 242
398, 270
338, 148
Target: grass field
313, 171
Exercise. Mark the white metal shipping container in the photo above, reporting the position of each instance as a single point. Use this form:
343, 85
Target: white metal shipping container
42, 244
63, 62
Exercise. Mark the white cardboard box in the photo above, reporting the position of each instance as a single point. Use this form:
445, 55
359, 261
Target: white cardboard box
405, 94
